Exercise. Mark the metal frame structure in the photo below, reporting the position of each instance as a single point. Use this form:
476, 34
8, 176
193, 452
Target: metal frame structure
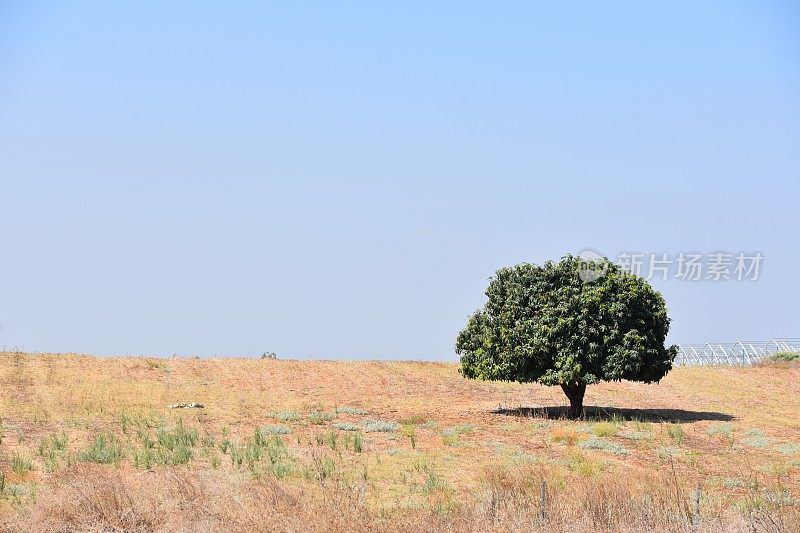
739, 353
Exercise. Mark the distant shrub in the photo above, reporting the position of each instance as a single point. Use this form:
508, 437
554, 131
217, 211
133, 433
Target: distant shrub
732, 483
287, 416
51, 448
319, 417
605, 429
172, 438
595, 443
105, 449
723, 429
675, 432
373, 426
783, 357
171, 447
451, 440
582, 465
263, 448
351, 410
638, 435
21, 465
346, 426
460, 429
410, 431
756, 438
276, 429
269, 355
435, 483
788, 448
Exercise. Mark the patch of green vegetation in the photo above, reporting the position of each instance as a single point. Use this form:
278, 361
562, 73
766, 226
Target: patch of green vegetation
346, 426
756, 438
596, 443
276, 429
732, 483
351, 410
434, 482
638, 435
582, 465
722, 429
775, 469
263, 449
331, 439
105, 449
788, 448
288, 416
452, 436
409, 430
665, 452
605, 429
383, 426
319, 417
451, 440
51, 449
21, 465
460, 429
171, 446
783, 357
676, 433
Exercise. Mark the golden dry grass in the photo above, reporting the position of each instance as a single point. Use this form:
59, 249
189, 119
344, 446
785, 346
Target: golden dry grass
478, 454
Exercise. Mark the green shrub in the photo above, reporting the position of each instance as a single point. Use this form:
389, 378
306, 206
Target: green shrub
351, 410
638, 435
21, 465
372, 426
756, 438
277, 429
451, 440
346, 426
788, 448
332, 440
460, 429
595, 443
171, 439
319, 417
433, 482
604, 429
105, 449
287, 416
783, 357
51, 448
409, 430
582, 465
675, 432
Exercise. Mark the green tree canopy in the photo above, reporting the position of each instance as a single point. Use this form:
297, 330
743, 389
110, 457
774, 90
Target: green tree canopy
556, 325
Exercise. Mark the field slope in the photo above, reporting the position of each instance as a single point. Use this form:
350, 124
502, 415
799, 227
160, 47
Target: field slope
92, 443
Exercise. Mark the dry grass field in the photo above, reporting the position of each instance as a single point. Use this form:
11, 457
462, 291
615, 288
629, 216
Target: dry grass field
92, 444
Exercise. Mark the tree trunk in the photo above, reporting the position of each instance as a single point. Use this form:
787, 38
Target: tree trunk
574, 392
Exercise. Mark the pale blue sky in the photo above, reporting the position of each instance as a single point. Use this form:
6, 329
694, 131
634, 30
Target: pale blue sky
341, 179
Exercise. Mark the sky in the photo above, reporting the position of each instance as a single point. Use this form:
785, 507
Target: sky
341, 180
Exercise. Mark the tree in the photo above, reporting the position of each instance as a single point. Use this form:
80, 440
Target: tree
572, 323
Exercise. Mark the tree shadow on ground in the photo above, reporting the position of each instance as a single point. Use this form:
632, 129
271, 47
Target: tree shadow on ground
593, 412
